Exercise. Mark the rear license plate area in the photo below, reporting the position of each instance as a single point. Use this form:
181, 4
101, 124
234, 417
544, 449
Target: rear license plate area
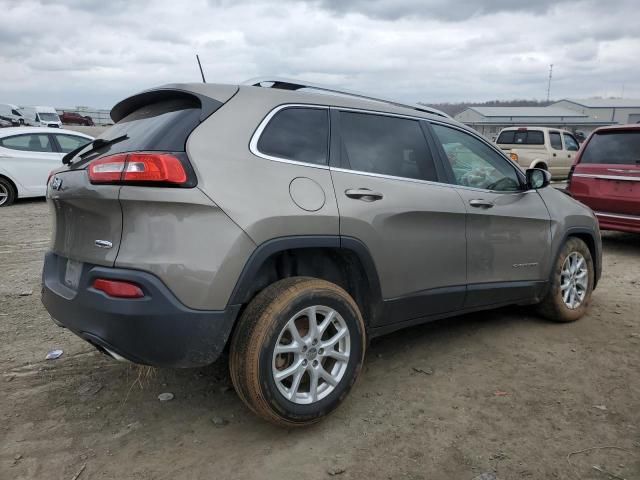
72, 274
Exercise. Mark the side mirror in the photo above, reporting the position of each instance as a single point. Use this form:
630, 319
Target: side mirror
537, 178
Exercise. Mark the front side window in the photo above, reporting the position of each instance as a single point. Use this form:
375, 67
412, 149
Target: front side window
474, 163
385, 145
297, 133
28, 143
570, 142
554, 139
70, 142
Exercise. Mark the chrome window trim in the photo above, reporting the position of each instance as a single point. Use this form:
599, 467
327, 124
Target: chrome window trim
390, 177
416, 180
608, 177
253, 147
617, 215
255, 138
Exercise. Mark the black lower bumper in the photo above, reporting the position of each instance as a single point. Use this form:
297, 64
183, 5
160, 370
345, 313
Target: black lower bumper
154, 330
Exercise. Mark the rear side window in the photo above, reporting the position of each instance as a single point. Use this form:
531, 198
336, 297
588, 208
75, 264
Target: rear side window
70, 142
297, 133
613, 147
385, 145
28, 143
554, 139
521, 137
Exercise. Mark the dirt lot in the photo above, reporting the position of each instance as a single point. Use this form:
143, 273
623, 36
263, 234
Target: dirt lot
502, 392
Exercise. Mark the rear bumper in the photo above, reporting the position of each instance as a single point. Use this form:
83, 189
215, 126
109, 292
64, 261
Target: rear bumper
620, 222
154, 330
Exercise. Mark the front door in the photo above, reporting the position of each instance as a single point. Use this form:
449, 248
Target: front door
389, 198
571, 148
508, 227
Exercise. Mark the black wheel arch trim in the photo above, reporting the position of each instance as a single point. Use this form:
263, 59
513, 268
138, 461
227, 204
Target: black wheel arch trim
242, 290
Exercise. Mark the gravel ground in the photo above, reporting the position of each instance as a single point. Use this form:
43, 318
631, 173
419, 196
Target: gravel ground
500, 392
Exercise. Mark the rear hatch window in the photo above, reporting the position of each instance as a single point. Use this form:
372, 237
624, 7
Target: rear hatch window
521, 137
615, 147
161, 126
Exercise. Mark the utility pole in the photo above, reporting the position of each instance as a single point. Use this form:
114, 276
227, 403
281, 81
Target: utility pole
549, 84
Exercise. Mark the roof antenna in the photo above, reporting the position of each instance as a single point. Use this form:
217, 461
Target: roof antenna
200, 65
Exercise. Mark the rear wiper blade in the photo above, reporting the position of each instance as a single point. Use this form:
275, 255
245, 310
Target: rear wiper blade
97, 143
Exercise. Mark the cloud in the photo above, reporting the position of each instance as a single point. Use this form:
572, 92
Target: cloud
77, 52
437, 9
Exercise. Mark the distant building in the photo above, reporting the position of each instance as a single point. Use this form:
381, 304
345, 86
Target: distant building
488, 121
610, 110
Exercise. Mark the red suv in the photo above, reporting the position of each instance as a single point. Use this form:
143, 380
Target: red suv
606, 177
73, 118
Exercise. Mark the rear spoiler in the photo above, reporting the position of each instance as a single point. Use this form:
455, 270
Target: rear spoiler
207, 97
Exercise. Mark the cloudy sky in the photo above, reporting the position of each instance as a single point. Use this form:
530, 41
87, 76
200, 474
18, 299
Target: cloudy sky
95, 52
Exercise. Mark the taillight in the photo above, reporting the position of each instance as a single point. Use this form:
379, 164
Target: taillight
139, 167
118, 288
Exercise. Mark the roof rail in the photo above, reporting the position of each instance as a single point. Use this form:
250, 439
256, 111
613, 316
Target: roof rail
290, 84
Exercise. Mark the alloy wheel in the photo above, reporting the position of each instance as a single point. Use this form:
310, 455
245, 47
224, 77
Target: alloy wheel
311, 354
574, 280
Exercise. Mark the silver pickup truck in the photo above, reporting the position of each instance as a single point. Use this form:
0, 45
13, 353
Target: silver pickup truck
540, 147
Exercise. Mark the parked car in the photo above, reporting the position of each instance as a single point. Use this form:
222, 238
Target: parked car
540, 147
291, 227
11, 113
41, 116
606, 177
27, 155
73, 118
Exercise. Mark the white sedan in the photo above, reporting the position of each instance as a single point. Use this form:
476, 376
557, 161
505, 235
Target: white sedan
28, 154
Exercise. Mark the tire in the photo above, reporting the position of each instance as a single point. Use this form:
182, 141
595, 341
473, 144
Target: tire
267, 322
553, 306
7, 192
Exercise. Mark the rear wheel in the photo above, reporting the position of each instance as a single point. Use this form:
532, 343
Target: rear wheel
7, 193
297, 350
572, 283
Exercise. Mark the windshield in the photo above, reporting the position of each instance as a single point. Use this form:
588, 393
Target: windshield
48, 117
614, 147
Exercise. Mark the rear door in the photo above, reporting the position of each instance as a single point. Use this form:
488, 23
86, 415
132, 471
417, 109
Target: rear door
557, 161
389, 197
507, 227
607, 175
29, 158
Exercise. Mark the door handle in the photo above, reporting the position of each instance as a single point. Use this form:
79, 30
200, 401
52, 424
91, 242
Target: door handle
554, 154
480, 203
363, 194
